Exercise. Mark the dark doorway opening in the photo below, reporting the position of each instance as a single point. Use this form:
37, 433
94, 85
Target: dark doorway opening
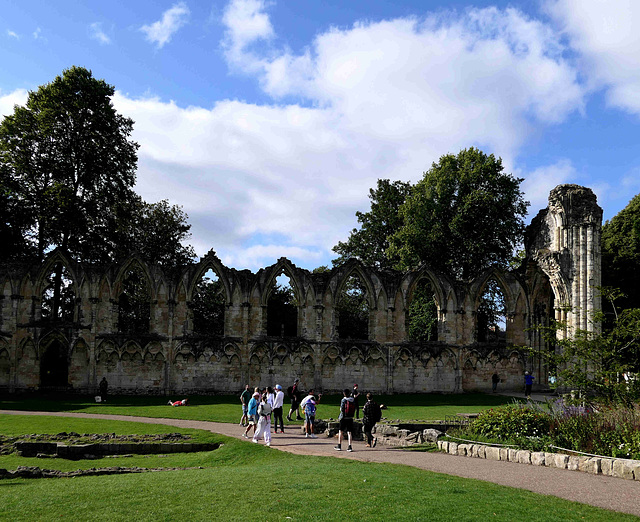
54, 366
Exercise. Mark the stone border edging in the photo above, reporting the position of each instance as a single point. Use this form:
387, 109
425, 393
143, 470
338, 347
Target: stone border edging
34, 472
611, 467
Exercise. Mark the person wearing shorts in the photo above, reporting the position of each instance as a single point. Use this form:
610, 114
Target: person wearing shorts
252, 413
346, 420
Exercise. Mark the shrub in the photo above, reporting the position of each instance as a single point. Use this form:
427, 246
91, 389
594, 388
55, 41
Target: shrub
511, 422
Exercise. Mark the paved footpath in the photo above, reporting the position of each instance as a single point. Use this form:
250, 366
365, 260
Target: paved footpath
597, 490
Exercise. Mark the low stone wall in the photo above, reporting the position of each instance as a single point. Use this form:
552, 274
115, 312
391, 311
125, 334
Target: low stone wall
610, 467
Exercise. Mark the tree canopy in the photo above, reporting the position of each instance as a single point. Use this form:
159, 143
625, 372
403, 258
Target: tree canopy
67, 171
465, 215
370, 243
621, 254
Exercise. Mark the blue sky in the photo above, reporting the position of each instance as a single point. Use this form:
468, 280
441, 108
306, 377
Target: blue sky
269, 121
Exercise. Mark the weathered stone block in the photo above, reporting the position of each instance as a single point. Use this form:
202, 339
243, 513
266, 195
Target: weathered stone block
492, 453
572, 463
524, 457
463, 449
537, 458
549, 459
480, 451
504, 453
445, 446
431, 435
623, 468
453, 448
606, 467
513, 455
561, 461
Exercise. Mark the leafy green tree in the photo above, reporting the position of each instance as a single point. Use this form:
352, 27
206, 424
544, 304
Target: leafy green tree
134, 303
370, 243
621, 254
154, 231
353, 310
66, 159
208, 305
423, 314
282, 311
465, 215
597, 363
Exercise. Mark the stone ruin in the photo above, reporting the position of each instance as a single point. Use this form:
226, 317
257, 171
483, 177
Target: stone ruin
73, 351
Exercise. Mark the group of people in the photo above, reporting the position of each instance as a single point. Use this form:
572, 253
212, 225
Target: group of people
260, 405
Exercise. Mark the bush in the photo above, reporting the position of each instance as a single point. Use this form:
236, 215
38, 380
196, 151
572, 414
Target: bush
511, 422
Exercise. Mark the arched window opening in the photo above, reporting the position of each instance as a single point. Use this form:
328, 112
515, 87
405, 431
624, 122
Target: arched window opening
353, 310
54, 366
282, 309
134, 304
208, 304
423, 313
492, 316
58, 298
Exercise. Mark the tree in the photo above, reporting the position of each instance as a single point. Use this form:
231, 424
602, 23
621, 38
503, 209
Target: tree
465, 215
621, 254
370, 243
154, 231
597, 363
282, 311
66, 161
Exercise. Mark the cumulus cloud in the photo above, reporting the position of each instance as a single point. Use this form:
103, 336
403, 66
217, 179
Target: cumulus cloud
13, 34
96, 32
606, 37
538, 183
7, 101
161, 31
382, 100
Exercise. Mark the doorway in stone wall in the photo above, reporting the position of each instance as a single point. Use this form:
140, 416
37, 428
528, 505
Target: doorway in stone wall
54, 366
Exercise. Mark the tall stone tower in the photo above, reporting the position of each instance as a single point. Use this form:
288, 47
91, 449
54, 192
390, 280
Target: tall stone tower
564, 241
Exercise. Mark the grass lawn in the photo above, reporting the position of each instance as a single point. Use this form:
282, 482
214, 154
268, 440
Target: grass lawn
241, 481
226, 408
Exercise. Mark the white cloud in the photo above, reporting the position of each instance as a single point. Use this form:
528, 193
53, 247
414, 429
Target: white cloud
37, 34
7, 101
172, 20
98, 34
13, 34
382, 100
606, 36
538, 183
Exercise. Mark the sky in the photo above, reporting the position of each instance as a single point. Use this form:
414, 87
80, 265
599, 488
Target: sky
269, 121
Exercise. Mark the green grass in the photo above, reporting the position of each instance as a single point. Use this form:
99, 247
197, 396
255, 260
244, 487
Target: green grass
226, 408
241, 481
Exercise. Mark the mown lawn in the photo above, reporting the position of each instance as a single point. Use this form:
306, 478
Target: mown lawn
226, 408
241, 481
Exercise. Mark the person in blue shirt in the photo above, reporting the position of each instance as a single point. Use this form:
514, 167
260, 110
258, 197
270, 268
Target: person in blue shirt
252, 412
528, 382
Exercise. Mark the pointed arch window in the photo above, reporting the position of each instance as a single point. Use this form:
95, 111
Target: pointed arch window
134, 303
491, 315
353, 309
58, 297
208, 305
423, 313
282, 308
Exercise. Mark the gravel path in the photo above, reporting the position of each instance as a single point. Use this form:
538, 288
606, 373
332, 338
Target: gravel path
597, 490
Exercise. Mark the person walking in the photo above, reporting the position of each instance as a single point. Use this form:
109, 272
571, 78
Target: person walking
347, 410
245, 397
264, 422
528, 383
277, 409
103, 388
252, 412
495, 379
294, 395
355, 394
371, 413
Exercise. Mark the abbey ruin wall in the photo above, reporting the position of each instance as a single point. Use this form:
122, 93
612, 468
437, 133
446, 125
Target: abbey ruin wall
557, 280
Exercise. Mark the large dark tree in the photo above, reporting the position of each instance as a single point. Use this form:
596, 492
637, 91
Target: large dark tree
370, 243
66, 159
465, 215
621, 254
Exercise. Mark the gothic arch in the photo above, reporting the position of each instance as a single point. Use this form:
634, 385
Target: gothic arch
57, 256
210, 263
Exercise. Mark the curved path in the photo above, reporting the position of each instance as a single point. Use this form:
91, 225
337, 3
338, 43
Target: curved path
597, 490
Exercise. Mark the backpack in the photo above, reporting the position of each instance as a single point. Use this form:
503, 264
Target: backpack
349, 408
